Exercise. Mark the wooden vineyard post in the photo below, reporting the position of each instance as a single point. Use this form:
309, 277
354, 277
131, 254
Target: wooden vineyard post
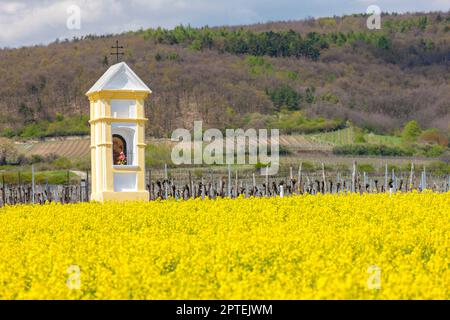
82, 186
229, 181
236, 184
211, 187
254, 184
150, 191
364, 181
68, 192
411, 177
32, 184
20, 187
202, 191
3, 190
354, 177
246, 194
386, 177
421, 181
323, 179
166, 177
300, 182
424, 179
394, 180
291, 179
87, 185
191, 186
47, 191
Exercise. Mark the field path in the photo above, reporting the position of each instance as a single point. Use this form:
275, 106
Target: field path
81, 174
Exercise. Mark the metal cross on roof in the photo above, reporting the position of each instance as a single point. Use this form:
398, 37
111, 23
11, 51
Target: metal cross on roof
117, 53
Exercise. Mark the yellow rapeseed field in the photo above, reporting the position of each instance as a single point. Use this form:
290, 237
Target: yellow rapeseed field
304, 247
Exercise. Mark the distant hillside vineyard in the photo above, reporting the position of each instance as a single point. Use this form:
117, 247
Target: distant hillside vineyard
300, 76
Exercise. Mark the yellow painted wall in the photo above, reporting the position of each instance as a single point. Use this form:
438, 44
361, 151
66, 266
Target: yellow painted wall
102, 148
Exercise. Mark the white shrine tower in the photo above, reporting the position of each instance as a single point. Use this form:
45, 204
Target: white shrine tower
118, 135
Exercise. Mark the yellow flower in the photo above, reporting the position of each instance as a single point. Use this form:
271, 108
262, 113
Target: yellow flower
370, 246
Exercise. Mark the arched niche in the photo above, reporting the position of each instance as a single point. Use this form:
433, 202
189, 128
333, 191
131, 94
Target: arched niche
119, 150
124, 140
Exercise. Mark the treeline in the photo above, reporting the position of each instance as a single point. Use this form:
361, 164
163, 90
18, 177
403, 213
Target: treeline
367, 149
418, 23
311, 45
286, 96
59, 127
274, 44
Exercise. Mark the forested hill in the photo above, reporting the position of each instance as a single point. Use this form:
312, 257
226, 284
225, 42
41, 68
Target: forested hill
300, 76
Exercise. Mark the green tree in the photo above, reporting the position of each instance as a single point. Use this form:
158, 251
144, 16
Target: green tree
310, 95
384, 43
105, 61
285, 96
59, 116
411, 131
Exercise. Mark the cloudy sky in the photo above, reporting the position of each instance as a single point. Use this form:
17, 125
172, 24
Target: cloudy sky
28, 22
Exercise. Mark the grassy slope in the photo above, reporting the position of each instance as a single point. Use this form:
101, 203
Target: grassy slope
23, 175
347, 136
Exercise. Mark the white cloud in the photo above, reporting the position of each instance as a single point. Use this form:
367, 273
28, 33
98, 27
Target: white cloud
11, 7
407, 5
25, 22
33, 23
